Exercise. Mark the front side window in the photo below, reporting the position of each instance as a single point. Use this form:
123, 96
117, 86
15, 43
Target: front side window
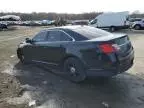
41, 36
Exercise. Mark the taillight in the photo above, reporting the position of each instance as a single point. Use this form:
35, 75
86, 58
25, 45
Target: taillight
116, 47
109, 48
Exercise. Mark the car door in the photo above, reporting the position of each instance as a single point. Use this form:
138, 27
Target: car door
34, 51
54, 48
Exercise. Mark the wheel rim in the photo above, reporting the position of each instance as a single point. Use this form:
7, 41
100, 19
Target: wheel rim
74, 74
137, 27
72, 70
22, 58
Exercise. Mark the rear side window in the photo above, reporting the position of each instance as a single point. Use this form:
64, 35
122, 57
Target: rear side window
75, 35
65, 37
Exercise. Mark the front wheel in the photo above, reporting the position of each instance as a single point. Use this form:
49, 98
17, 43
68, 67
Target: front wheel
21, 56
74, 70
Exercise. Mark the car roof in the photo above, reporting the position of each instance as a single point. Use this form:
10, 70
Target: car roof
76, 27
84, 31
66, 27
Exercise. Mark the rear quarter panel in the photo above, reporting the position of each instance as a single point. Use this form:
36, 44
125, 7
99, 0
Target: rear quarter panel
87, 52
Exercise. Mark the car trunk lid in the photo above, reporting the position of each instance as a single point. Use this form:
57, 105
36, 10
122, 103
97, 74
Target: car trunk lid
120, 42
125, 46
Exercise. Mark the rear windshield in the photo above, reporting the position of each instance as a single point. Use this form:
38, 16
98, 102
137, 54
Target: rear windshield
75, 35
91, 32
122, 40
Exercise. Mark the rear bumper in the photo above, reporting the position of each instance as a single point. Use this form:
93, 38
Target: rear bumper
121, 67
108, 72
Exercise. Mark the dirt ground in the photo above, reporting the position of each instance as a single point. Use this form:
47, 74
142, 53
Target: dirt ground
24, 85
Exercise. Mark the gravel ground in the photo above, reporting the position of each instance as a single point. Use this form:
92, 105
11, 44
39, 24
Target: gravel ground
22, 86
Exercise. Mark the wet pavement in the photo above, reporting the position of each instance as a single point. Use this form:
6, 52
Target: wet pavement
52, 91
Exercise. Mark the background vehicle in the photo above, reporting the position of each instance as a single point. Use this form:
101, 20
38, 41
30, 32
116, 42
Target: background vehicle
79, 51
47, 22
138, 24
132, 20
112, 21
3, 26
60, 22
80, 22
135, 19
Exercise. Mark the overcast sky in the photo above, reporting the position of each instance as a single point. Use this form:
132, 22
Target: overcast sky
71, 6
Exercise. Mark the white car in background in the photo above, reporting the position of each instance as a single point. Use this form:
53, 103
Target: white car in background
138, 24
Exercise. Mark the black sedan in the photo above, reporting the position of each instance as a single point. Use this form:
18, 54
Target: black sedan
79, 51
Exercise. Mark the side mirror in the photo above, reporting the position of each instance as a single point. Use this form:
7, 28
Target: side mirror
28, 40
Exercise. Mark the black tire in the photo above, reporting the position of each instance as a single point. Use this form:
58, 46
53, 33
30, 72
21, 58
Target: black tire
74, 70
21, 57
137, 27
112, 29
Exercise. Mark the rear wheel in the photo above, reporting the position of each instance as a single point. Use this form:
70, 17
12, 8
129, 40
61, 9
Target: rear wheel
21, 56
137, 27
74, 70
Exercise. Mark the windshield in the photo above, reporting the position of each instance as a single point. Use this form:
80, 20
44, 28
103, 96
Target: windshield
93, 21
